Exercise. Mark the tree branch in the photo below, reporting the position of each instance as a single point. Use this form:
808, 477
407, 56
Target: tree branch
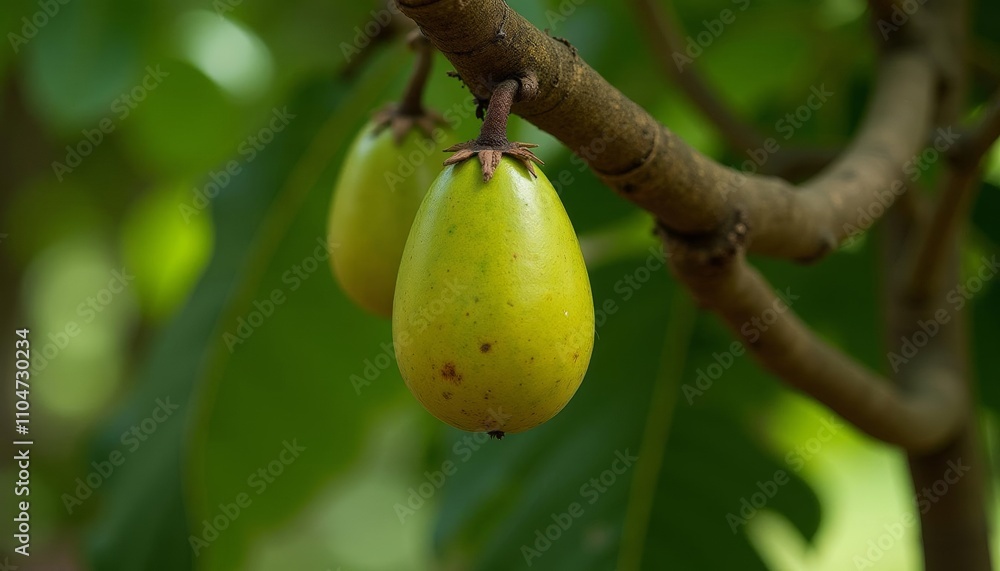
711, 215
920, 419
696, 199
928, 267
651, 166
663, 33
954, 527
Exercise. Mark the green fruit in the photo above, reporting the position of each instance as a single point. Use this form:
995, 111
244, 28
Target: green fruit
376, 196
493, 323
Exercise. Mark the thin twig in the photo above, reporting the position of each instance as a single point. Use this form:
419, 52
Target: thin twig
959, 188
940, 236
663, 33
953, 525
413, 97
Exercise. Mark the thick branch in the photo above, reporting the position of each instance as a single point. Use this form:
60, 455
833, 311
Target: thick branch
919, 419
651, 166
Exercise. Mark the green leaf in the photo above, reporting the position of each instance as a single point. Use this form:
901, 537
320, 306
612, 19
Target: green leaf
84, 58
278, 412
144, 523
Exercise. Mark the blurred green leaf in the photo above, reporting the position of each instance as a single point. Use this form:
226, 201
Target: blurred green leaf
84, 57
278, 413
145, 523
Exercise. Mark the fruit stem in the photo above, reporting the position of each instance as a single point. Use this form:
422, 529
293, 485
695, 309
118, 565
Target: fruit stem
494, 130
413, 98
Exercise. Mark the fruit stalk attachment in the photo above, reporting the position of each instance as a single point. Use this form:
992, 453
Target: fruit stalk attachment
492, 142
410, 113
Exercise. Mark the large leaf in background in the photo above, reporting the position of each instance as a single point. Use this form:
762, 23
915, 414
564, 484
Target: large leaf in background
288, 384
143, 524
503, 495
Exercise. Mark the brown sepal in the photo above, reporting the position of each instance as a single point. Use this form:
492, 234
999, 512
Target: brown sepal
490, 155
401, 124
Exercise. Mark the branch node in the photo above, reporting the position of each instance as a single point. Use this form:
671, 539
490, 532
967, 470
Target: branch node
827, 243
712, 250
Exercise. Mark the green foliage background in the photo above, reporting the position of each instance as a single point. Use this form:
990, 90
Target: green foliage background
227, 68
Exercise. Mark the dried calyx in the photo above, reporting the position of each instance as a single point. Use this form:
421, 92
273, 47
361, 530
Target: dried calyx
492, 142
410, 113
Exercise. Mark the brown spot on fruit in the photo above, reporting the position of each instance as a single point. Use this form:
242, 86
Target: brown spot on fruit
450, 374
576, 356
485, 347
446, 395
498, 434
